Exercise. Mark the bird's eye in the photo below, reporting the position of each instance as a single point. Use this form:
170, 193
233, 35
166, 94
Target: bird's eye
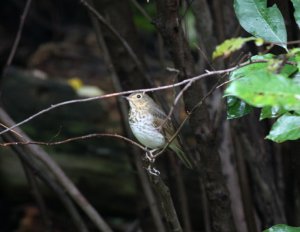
138, 96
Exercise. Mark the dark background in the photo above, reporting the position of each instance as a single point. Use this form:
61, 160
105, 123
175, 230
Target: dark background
247, 183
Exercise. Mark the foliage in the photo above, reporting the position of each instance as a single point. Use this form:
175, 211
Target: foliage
261, 21
287, 127
282, 228
296, 4
142, 22
267, 81
259, 86
231, 45
237, 108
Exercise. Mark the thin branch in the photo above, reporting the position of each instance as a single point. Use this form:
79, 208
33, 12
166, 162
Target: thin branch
141, 9
187, 117
189, 4
38, 153
93, 11
33, 184
193, 79
152, 202
14, 132
19, 33
182, 195
74, 139
176, 100
47, 177
132, 54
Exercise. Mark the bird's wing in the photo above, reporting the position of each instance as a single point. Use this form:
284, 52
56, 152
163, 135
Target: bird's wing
160, 122
157, 111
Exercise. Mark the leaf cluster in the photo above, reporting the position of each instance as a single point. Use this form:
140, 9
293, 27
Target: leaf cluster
269, 82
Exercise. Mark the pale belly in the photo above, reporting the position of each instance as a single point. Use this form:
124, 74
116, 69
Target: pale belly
147, 135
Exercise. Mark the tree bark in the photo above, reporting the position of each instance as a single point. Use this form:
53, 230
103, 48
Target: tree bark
169, 25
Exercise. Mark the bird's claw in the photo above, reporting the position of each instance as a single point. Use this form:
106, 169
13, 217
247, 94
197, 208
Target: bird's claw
151, 170
150, 156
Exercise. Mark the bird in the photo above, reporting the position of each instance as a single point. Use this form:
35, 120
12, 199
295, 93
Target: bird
150, 126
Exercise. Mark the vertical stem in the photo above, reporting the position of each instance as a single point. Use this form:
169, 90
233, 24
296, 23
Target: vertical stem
152, 202
163, 193
39, 199
44, 174
182, 197
39, 154
19, 33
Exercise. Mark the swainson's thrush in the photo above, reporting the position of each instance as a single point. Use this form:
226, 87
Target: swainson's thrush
148, 123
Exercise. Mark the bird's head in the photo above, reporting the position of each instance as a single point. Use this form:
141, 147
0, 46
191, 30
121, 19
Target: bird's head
139, 100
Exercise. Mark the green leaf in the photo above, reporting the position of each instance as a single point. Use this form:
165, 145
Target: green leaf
295, 53
266, 56
276, 65
271, 112
289, 70
267, 62
259, 87
296, 78
237, 108
248, 69
190, 22
287, 127
231, 45
282, 228
141, 22
296, 4
261, 21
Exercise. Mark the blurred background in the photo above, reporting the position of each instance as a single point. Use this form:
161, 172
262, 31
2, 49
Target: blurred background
64, 54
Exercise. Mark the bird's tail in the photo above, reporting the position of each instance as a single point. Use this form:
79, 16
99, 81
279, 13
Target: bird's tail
186, 160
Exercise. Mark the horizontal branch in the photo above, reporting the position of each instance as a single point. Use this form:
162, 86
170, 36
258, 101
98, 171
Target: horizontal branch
188, 81
74, 139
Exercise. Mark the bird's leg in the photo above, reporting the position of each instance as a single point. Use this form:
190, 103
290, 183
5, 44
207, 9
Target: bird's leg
150, 156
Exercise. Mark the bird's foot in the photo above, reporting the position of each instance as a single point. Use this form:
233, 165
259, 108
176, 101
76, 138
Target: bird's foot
150, 156
151, 170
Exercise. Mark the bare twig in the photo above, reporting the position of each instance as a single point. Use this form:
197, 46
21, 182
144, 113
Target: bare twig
152, 201
188, 5
115, 32
19, 33
14, 132
136, 59
186, 118
193, 79
38, 153
182, 195
176, 100
141, 9
47, 177
74, 139
32, 182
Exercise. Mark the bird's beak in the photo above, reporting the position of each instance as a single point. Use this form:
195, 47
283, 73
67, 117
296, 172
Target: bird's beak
125, 98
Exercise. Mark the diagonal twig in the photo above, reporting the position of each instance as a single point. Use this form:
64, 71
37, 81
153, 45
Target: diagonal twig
74, 139
38, 153
186, 118
47, 178
19, 33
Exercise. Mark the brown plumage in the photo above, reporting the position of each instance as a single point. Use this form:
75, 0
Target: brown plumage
147, 122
